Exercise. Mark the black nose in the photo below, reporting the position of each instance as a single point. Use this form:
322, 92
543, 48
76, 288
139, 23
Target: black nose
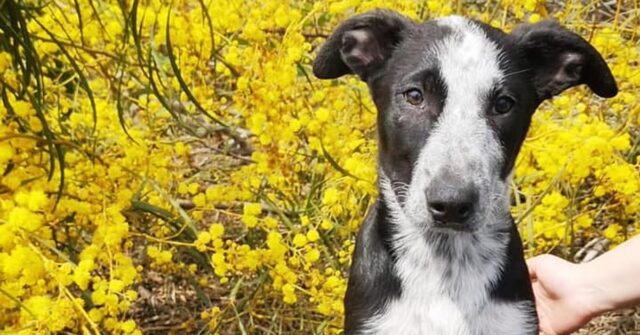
451, 201
445, 212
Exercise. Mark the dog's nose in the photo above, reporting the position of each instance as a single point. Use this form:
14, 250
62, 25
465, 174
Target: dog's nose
445, 212
451, 201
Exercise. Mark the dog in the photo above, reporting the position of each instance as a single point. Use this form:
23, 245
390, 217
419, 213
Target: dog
439, 253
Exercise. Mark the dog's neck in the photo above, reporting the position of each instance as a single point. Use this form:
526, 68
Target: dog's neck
456, 263
396, 276
448, 279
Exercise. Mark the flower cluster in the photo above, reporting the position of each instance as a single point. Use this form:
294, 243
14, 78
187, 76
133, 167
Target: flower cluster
174, 166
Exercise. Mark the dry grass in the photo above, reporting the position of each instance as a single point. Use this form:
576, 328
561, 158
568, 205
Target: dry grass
624, 322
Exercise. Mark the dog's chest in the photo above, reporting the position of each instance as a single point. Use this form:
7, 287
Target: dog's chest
410, 315
440, 299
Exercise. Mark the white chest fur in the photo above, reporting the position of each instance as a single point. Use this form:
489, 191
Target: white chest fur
440, 298
443, 316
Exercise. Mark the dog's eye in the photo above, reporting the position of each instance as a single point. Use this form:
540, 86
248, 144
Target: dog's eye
413, 96
503, 105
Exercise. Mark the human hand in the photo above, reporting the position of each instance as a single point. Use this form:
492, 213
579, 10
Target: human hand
565, 298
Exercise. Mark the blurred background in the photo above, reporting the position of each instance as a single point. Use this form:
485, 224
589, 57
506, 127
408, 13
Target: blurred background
173, 167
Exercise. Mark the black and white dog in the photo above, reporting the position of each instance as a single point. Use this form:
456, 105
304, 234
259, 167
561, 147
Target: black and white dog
439, 252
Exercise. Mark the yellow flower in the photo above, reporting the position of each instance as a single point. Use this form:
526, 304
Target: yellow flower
288, 292
330, 196
313, 235
128, 326
82, 273
200, 200
5, 61
252, 209
612, 231
6, 153
216, 230
299, 240
24, 218
193, 188
535, 17
159, 256
22, 109
250, 221
312, 256
37, 200
326, 224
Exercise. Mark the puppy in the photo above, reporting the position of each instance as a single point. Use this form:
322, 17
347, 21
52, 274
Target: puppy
439, 252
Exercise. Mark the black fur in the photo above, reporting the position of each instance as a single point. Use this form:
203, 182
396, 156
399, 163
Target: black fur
372, 282
513, 284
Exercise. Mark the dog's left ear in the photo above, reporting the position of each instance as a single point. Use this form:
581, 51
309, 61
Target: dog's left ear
360, 45
562, 59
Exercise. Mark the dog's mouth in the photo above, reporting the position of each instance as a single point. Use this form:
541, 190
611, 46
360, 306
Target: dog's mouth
453, 227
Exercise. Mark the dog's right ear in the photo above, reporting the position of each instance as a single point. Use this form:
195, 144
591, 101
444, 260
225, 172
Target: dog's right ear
360, 45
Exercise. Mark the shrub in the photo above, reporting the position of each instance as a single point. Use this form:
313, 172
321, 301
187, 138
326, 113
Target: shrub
176, 167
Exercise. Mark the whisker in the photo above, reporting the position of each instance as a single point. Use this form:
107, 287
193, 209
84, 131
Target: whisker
516, 72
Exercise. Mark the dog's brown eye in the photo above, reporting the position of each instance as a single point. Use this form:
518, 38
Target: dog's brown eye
413, 96
503, 105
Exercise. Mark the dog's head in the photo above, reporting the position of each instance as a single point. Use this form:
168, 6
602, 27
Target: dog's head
455, 99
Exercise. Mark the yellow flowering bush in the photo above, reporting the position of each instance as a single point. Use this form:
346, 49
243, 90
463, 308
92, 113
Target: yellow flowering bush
173, 166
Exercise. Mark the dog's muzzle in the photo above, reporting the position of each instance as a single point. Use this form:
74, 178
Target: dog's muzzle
451, 201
